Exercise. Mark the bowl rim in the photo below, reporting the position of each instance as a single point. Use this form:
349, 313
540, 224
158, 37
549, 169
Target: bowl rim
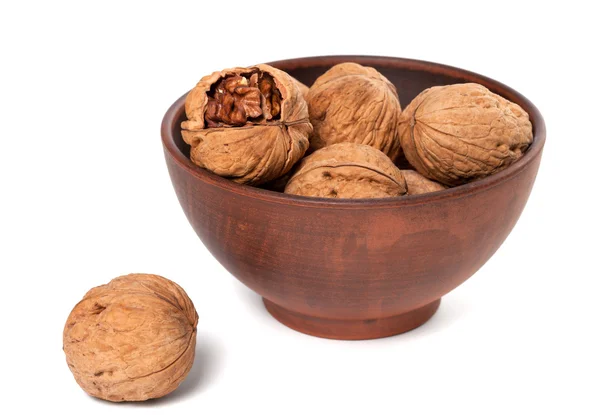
539, 137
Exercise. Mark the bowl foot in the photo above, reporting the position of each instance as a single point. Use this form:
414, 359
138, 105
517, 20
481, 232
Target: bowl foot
353, 329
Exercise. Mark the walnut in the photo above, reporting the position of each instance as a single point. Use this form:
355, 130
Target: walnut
417, 184
132, 339
347, 170
457, 133
247, 124
354, 103
303, 88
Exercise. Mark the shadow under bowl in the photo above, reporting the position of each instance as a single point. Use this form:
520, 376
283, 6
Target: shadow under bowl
355, 268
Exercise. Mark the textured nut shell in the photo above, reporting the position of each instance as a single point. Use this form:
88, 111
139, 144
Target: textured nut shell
347, 170
354, 103
458, 133
303, 88
132, 339
416, 184
251, 154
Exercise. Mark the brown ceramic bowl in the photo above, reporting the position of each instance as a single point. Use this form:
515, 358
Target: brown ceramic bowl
355, 269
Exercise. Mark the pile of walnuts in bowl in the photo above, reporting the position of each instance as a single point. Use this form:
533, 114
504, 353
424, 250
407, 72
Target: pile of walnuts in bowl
346, 135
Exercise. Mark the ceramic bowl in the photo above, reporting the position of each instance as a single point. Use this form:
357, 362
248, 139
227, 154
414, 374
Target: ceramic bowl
355, 269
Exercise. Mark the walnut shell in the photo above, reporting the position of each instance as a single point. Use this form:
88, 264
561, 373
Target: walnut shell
416, 184
457, 133
247, 124
354, 103
132, 339
347, 170
303, 88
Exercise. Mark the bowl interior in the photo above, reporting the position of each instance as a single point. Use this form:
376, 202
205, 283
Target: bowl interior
410, 78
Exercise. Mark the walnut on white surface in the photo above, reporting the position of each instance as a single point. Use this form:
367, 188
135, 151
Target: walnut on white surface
132, 339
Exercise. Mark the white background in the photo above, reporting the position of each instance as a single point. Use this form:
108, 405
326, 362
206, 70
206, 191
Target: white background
85, 197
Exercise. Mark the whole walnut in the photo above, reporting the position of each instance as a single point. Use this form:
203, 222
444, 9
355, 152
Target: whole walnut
347, 170
458, 133
247, 124
354, 103
416, 184
132, 339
